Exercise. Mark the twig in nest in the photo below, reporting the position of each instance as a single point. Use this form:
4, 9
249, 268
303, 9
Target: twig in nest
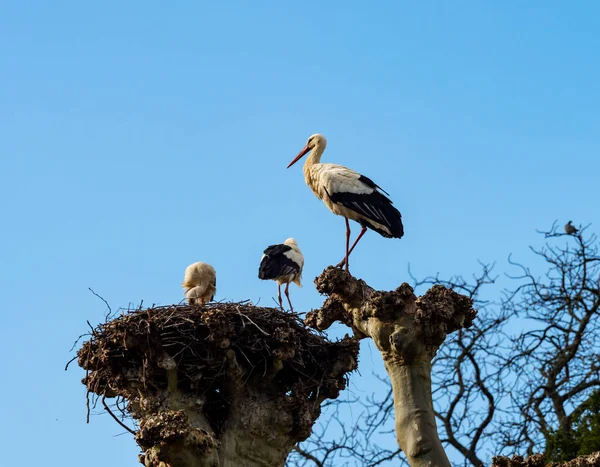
257, 326
115, 417
87, 404
77, 341
105, 302
91, 327
87, 394
69, 362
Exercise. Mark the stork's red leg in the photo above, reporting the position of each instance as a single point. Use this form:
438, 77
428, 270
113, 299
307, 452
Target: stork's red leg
345, 260
279, 296
362, 232
347, 242
287, 294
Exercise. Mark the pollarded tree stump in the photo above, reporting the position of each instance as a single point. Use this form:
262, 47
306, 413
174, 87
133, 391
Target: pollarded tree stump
217, 385
407, 331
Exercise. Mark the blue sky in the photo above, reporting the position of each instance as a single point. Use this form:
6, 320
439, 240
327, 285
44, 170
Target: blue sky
138, 137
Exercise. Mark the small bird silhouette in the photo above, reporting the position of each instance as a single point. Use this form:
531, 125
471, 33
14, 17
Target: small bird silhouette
570, 229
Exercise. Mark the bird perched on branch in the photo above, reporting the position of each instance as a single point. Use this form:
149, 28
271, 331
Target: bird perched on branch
570, 228
200, 283
282, 263
350, 195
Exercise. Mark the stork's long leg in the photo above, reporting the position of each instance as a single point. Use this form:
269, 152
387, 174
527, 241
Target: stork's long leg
347, 242
287, 294
362, 232
345, 260
279, 296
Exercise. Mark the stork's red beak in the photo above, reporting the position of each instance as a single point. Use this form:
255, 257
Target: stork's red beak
299, 156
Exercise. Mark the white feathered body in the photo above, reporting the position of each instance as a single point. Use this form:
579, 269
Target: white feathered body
200, 283
350, 194
282, 263
297, 257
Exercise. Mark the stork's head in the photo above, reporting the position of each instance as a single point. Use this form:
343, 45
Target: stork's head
291, 242
314, 141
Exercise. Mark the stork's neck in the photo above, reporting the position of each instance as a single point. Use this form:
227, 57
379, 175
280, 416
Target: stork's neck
314, 157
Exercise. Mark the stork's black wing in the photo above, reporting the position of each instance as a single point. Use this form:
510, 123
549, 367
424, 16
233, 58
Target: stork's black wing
373, 206
275, 263
367, 181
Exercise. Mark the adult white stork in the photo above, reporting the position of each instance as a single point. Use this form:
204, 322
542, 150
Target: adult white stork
349, 194
200, 283
570, 229
282, 263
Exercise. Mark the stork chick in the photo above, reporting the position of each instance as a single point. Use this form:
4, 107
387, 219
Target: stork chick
570, 229
282, 263
350, 195
200, 283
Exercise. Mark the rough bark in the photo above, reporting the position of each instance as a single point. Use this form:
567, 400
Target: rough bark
407, 331
215, 386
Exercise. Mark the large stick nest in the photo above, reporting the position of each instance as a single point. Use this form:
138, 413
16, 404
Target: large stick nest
270, 350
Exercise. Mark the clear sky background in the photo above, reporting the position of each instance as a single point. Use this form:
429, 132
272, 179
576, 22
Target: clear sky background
138, 137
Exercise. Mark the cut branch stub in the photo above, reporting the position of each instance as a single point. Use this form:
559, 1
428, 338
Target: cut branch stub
402, 326
223, 384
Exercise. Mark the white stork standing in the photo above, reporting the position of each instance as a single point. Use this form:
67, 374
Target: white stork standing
282, 263
349, 194
200, 283
570, 229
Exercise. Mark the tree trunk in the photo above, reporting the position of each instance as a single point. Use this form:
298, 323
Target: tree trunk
257, 433
407, 331
416, 430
